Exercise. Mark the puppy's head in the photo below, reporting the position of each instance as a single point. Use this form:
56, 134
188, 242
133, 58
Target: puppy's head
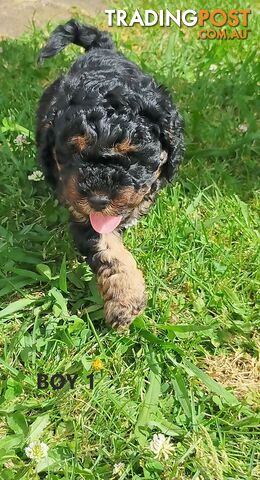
105, 173
108, 163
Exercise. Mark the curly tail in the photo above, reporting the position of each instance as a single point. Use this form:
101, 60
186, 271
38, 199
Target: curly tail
75, 32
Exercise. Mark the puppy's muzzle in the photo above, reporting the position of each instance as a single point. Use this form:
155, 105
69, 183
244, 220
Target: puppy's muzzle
98, 202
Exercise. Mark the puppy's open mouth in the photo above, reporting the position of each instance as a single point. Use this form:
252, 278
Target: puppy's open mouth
104, 223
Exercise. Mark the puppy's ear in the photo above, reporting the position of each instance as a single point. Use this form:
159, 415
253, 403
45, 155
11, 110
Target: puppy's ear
45, 136
171, 137
45, 143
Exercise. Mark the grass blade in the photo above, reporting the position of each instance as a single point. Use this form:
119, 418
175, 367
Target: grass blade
16, 306
181, 393
37, 427
150, 403
63, 276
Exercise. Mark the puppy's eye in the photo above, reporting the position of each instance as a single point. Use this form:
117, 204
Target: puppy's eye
110, 158
123, 161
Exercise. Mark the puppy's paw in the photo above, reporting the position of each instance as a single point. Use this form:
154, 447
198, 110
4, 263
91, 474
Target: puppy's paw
121, 283
125, 298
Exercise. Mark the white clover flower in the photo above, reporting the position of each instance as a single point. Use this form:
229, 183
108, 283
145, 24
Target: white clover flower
21, 140
243, 127
161, 446
9, 464
36, 176
213, 68
118, 468
37, 450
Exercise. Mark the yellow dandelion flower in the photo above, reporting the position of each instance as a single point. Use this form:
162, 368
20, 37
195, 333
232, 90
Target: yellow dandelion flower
97, 364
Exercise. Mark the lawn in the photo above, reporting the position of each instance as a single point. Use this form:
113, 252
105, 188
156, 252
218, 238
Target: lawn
188, 366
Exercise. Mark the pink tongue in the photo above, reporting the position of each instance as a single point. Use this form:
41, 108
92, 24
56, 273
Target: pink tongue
104, 223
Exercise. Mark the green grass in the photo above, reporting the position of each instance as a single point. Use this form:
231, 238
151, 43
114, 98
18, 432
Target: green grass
198, 251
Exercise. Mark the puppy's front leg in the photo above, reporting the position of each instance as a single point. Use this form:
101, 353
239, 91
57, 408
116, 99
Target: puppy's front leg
120, 282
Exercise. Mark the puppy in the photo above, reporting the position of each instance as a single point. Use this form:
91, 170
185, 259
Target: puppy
108, 139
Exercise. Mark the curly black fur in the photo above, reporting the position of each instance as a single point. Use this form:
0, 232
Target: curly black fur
109, 127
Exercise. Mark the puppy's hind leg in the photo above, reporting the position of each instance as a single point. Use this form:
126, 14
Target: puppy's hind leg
120, 282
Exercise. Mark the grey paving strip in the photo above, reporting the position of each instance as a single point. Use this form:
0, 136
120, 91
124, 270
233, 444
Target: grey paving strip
17, 15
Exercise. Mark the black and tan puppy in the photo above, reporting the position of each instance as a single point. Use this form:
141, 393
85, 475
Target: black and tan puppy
109, 138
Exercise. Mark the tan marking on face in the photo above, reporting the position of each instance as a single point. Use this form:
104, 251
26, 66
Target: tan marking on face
121, 283
129, 197
71, 190
125, 147
81, 142
78, 205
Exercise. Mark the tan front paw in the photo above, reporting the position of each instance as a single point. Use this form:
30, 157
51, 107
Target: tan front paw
121, 283
125, 298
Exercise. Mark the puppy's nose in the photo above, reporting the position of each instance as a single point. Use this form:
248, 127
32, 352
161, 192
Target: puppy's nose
98, 202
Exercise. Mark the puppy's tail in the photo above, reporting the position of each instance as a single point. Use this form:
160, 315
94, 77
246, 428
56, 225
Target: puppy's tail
75, 32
